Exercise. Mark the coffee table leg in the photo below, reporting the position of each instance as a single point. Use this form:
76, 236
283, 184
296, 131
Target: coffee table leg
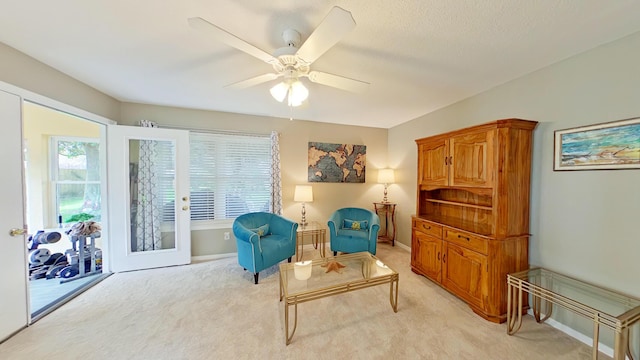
393, 295
286, 321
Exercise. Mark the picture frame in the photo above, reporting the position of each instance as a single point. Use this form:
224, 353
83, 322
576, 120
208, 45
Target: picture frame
336, 163
605, 146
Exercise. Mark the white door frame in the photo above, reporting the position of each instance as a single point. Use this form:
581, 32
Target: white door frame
22, 277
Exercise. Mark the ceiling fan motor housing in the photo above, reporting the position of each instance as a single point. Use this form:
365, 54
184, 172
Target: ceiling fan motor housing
288, 63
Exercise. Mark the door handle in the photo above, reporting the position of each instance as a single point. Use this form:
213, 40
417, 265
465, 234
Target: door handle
17, 232
438, 255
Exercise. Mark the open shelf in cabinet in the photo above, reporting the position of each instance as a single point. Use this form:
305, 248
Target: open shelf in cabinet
459, 208
460, 204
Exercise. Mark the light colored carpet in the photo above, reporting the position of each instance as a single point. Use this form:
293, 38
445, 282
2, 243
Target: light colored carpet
212, 310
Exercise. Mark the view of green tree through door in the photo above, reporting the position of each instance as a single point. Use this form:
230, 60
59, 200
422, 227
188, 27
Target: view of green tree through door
77, 179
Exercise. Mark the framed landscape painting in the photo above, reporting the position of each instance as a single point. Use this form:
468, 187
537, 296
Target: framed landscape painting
613, 145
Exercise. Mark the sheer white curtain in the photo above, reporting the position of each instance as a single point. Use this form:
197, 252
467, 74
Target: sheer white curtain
148, 214
276, 184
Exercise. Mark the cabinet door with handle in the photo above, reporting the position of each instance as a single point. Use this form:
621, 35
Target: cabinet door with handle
427, 255
465, 273
433, 165
471, 159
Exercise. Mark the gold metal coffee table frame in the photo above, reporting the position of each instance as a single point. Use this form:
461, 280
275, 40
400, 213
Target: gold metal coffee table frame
548, 288
362, 270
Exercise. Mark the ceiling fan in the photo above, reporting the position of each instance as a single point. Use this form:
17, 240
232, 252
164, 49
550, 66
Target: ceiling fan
292, 62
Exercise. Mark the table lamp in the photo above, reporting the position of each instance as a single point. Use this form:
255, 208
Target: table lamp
385, 176
303, 194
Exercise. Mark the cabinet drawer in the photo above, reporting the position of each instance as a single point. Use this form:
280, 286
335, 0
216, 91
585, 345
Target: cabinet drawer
428, 228
467, 240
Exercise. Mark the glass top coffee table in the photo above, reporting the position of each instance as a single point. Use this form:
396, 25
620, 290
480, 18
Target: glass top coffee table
315, 279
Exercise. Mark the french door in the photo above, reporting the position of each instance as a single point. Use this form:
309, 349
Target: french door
149, 216
13, 277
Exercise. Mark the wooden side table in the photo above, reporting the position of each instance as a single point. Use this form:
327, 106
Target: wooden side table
318, 237
387, 231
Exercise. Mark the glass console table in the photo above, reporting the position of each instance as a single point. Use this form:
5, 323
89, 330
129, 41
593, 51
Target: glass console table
615, 311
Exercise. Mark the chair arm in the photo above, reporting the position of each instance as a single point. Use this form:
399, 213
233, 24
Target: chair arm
373, 232
283, 226
243, 234
334, 223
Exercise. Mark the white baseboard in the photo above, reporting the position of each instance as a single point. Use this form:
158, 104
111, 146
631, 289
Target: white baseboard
402, 246
576, 335
200, 258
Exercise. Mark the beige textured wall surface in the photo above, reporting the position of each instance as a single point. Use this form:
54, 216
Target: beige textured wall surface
294, 138
27, 73
583, 223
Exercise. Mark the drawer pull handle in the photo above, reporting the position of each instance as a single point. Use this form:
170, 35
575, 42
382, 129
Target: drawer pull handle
444, 257
426, 227
438, 255
463, 237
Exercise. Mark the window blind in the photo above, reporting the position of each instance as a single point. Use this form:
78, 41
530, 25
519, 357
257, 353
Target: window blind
230, 175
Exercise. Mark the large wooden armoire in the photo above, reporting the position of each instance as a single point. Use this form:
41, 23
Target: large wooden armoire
471, 226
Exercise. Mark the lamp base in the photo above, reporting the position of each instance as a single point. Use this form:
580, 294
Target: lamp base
384, 199
303, 222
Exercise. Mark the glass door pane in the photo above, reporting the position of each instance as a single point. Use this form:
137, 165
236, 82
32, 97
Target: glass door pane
152, 172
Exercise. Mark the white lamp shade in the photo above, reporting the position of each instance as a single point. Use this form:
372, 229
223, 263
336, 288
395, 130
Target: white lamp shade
385, 176
303, 193
279, 91
298, 93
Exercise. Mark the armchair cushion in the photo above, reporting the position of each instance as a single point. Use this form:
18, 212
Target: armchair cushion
355, 224
261, 230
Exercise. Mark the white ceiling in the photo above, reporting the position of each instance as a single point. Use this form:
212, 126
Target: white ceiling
418, 55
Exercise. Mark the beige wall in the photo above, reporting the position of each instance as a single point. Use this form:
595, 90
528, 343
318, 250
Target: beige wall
27, 73
294, 138
583, 223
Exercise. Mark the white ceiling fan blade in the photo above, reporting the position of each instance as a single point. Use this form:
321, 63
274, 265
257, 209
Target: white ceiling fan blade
253, 81
338, 81
229, 39
331, 30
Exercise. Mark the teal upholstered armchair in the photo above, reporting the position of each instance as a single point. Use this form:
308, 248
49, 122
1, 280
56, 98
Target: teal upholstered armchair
353, 230
264, 239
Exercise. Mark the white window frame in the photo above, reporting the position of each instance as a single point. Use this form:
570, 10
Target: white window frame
53, 174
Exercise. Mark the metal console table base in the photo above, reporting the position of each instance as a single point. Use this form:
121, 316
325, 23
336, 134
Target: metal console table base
548, 288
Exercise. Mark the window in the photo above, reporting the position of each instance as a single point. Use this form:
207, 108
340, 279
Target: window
75, 179
230, 176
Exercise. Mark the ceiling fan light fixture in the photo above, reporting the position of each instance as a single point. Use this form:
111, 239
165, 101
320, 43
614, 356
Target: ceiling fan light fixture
297, 93
279, 91
294, 91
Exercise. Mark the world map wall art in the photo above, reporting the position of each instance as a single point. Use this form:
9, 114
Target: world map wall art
337, 163
613, 145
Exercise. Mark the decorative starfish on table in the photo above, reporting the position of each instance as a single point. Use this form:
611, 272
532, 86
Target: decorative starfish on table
333, 266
